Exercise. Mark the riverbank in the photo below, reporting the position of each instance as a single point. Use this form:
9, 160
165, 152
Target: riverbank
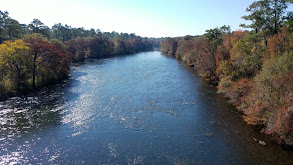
255, 77
253, 68
34, 56
29, 90
36, 61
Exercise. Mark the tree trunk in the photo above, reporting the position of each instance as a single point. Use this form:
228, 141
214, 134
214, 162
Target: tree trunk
266, 41
9, 34
34, 71
275, 21
18, 77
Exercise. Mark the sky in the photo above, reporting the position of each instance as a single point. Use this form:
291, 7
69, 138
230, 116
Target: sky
147, 18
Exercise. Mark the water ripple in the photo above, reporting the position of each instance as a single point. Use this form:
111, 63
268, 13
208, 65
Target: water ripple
140, 109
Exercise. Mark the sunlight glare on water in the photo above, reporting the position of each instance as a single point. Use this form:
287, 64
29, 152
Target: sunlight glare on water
144, 108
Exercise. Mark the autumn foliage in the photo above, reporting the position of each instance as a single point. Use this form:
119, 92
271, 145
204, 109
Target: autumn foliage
48, 63
33, 55
253, 71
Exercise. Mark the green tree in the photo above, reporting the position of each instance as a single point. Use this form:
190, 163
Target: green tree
277, 14
257, 15
289, 21
36, 26
246, 57
3, 17
13, 29
10, 29
266, 15
61, 32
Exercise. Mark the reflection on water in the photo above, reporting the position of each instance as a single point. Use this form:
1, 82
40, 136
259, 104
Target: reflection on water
139, 109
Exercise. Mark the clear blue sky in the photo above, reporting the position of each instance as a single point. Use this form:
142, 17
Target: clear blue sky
147, 18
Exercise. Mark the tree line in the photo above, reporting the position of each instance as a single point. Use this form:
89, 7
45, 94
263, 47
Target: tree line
34, 55
253, 68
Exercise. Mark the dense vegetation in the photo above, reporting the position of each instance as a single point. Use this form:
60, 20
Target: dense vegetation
254, 69
34, 55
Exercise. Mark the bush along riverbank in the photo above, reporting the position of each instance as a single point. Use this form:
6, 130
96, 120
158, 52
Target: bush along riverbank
254, 69
34, 55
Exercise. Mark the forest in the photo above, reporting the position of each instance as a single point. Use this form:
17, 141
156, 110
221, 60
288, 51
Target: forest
252, 68
34, 55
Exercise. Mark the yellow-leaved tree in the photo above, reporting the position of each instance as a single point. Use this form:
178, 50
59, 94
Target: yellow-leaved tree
14, 65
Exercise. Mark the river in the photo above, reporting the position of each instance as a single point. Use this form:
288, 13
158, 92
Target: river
144, 108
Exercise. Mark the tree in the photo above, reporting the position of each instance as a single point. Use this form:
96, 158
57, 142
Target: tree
58, 44
214, 38
48, 63
3, 17
289, 21
266, 15
246, 57
225, 69
277, 14
120, 46
61, 32
169, 46
99, 47
257, 16
15, 57
280, 43
76, 48
236, 36
10, 29
13, 29
36, 26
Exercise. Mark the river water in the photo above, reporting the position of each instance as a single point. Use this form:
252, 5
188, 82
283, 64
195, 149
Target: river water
144, 108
